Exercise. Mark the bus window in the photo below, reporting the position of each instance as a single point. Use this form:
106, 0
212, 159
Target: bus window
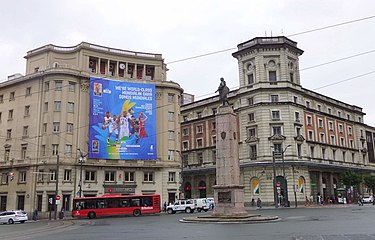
134, 202
102, 203
147, 201
113, 203
124, 203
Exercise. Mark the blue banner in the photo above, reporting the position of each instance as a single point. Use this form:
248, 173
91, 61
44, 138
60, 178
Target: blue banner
122, 120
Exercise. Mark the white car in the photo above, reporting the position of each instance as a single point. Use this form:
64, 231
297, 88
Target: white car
13, 216
181, 206
367, 199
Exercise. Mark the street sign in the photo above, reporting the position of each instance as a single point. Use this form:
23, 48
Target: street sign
58, 197
278, 184
50, 200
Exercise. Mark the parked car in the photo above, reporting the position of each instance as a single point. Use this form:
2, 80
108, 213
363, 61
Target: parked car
13, 216
367, 199
201, 204
181, 206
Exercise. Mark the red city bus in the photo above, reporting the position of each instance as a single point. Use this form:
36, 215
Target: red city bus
115, 204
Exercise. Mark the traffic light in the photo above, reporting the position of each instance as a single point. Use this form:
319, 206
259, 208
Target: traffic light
11, 176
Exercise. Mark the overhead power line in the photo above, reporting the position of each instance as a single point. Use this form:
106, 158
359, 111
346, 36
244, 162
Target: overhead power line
292, 35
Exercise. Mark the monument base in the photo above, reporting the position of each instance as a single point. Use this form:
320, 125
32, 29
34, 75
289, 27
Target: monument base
229, 201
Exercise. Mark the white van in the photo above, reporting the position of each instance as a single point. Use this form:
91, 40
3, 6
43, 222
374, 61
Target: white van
201, 204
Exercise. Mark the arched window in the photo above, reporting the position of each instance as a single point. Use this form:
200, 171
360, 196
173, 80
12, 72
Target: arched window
255, 186
301, 184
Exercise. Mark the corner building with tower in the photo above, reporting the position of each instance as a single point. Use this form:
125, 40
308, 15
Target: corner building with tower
44, 115
293, 142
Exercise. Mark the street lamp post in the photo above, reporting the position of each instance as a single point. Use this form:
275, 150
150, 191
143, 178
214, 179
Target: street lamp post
274, 181
286, 202
57, 184
82, 158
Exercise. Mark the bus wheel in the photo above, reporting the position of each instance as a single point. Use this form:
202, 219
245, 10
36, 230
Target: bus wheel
137, 213
91, 215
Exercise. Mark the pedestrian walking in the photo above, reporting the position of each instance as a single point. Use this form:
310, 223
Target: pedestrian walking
165, 207
253, 202
307, 202
35, 214
259, 203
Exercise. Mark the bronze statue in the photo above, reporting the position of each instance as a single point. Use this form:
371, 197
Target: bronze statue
223, 92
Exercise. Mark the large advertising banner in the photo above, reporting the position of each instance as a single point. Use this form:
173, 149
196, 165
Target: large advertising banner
122, 120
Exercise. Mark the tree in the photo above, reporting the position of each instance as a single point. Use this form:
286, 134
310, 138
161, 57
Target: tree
351, 178
369, 181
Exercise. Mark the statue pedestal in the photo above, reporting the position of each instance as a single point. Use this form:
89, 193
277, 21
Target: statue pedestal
228, 193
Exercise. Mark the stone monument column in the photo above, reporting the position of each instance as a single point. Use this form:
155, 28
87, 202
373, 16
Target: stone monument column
228, 193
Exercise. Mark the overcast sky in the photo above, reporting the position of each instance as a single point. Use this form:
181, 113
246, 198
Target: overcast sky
182, 29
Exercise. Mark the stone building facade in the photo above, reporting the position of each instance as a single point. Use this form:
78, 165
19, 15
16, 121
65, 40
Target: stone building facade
293, 142
45, 115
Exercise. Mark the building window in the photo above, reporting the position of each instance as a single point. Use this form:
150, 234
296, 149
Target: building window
342, 141
67, 175
52, 175
1, 98
55, 149
250, 78
0, 116
276, 115
296, 116
274, 98
213, 140
200, 158
291, 77
9, 134
44, 127
23, 151
7, 154
56, 127
129, 176
170, 98
272, 76
333, 154
312, 152
69, 127
348, 116
58, 85
298, 131
329, 111
172, 177
185, 160
70, 107
353, 157
214, 111
28, 91
330, 125
10, 115
68, 149
199, 114
253, 152
4, 180
295, 99
213, 125
199, 129
185, 132
322, 138
276, 130
199, 142
323, 153
351, 143
350, 131
148, 176
252, 132
90, 176
299, 150
277, 148
171, 155
250, 101
341, 128
46, 86
22, 177
109, 176
185, 118
25, 132
27, 111
251, 117
57, 106
309, 120
45, 107
320, 123
319, 108
185, 145
43, 150
12, 96
170, 116
338, 113
307, 104
311, 135
72, 86
343, 156
171, 135
333, 141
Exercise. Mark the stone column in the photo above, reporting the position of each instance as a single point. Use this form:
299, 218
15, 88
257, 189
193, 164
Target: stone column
228, 193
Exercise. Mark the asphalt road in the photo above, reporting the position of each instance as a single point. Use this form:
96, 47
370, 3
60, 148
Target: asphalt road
323, 223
